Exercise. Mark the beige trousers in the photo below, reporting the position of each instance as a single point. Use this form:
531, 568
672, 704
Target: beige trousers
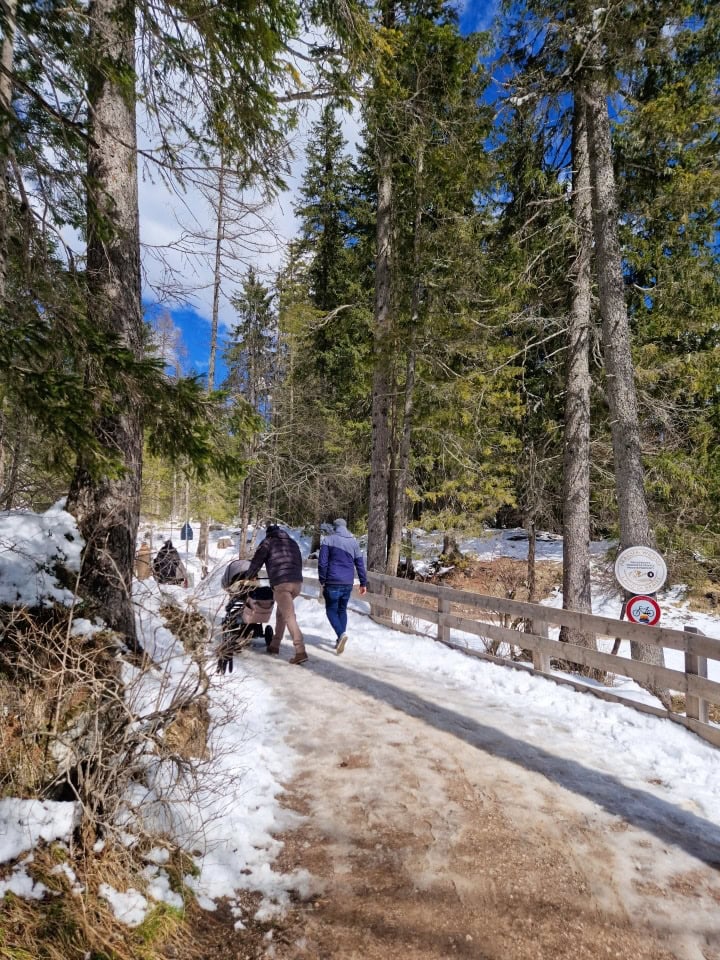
284, 594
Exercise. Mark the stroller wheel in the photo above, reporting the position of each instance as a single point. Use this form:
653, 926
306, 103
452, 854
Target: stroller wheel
268, 636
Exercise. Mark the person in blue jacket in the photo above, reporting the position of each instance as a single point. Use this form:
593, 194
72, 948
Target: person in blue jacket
339, 559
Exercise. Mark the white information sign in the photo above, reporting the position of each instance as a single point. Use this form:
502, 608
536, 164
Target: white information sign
640, 570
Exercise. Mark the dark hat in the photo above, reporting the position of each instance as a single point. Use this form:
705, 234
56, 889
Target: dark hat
339, 523
272, 529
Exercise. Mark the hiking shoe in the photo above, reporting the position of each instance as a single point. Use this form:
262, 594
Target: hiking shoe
273, 653
300, 658
340, 645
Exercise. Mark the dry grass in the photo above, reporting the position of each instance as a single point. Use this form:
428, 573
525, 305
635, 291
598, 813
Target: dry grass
678, 706
68, 925
48, 680
504, 577
186, 735
188, 625
59, 689
501, 577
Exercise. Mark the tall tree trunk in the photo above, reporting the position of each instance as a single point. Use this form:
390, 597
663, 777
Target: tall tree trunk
6, 59
622, 399
576, 454
244, 515
6, 87
399, 500
402, 472
202, 545
382, 381
531, 564
10, 475
203, 536
108, 508
382, 372
217, 273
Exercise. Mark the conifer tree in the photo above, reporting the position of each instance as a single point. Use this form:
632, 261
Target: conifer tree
382, 384
210, 75
426, 125
576, 459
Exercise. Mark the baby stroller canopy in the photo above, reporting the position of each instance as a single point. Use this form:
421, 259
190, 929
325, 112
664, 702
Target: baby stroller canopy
234, 571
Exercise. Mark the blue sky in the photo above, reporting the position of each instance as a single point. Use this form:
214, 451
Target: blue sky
477, 15
159, 226
196, 338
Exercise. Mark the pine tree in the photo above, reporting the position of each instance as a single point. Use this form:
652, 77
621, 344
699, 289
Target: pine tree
426, 126
576, 459
108, 508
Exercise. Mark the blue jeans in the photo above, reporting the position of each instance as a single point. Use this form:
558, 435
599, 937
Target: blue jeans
336, 601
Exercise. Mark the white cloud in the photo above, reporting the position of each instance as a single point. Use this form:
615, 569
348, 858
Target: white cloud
166, 216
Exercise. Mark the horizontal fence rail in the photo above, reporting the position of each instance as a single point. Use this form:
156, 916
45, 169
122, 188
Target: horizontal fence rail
531, 632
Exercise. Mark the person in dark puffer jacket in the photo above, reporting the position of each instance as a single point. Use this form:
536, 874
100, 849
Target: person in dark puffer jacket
283, 562
340, 557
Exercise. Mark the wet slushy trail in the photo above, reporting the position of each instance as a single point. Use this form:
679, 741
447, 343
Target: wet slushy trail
447, 808
432, 828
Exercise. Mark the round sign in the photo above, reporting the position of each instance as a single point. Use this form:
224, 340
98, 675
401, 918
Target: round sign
643, 610
640, 570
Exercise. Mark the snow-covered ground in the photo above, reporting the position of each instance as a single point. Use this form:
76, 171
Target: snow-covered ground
231, 823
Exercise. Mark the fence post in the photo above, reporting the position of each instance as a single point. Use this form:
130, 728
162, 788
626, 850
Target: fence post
443, 630
541, 660
695, 707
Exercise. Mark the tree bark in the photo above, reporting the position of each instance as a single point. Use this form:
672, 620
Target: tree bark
576, 454
6, 59
622, 399
403, 456
399, 500
244, 515
203, 536
108, 507
217, 274
382, 372
531, 564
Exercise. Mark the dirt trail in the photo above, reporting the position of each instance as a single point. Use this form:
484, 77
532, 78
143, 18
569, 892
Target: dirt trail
426, 839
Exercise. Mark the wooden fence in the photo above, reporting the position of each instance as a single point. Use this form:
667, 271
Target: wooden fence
530, 630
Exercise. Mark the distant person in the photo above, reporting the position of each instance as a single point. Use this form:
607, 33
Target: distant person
283, 562
167, 565
340, 557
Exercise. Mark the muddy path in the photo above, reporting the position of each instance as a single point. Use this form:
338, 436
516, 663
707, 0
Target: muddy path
431, 831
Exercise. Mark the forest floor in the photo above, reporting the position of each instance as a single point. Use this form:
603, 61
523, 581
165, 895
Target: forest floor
428, 836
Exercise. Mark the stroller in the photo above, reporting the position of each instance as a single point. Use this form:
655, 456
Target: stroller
249, 607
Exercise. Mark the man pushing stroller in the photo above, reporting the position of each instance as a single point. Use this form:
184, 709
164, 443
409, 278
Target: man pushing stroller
283, 561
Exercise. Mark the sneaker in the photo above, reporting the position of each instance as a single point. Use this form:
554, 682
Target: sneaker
300, 658
340, 645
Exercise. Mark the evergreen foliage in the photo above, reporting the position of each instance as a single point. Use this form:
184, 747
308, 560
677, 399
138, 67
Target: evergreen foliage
482, 249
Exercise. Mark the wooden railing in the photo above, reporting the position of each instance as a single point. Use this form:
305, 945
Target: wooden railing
534, 622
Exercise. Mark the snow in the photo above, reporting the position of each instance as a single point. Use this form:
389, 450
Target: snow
229, 817
130, 907
23, 823
30, 546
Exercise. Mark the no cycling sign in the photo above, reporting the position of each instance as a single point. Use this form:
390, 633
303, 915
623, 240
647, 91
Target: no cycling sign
643, 610
640, 570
